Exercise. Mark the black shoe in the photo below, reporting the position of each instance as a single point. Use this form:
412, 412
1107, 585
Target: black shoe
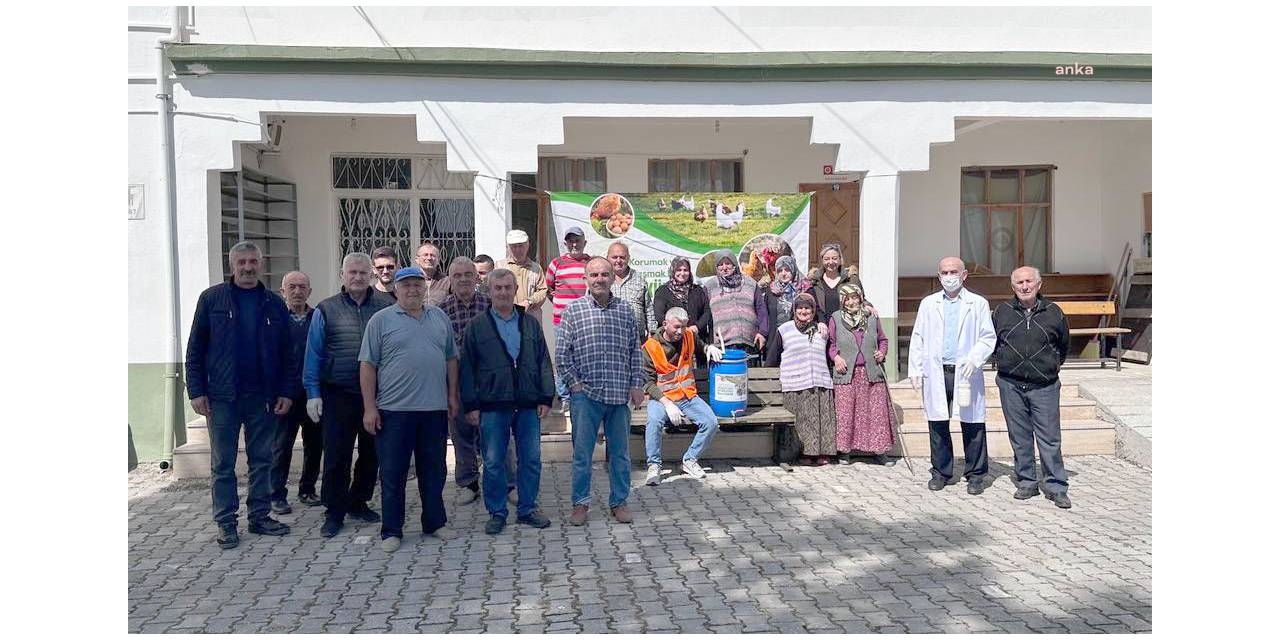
936, 484
495, 525
1059, 499
280, 507
534, 519
1024, 493
330, 527
976, 488
309, 499
268, 527
364, 514
228, 537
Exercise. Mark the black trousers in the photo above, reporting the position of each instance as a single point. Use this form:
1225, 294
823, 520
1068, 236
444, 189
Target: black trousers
312, 448
972, 434
343, 423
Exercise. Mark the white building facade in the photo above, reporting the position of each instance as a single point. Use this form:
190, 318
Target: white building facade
958, 131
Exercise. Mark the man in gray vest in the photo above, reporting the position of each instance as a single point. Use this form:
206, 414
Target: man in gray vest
331, 375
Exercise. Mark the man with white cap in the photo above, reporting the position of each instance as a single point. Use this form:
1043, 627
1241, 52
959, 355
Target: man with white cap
567, 281
531, 287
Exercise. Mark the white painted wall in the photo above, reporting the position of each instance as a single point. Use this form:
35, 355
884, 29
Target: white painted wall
1101, 165
1096, 29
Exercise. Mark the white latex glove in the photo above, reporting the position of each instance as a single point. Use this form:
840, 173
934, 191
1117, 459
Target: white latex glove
714, 353
673, 412
916, 381
965, 370
315, 407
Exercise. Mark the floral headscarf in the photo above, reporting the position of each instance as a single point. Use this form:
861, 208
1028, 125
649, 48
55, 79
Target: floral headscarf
734, 280
805, 300
858, 319
680, 292
786, 291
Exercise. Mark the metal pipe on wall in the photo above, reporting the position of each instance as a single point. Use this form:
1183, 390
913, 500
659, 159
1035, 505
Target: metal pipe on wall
173, 407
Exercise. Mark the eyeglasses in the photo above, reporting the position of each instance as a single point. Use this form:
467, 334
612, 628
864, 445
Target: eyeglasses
385, 268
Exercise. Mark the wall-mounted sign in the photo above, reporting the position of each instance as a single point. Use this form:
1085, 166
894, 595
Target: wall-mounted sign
136, 209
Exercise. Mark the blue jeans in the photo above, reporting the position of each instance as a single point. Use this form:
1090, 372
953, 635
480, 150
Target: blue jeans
498, 427
586, 415
254, 411
423, 435
562, 390
695, 409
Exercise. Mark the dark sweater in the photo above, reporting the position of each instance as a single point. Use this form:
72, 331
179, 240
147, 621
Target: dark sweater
487, 378
697, 305
1031, 345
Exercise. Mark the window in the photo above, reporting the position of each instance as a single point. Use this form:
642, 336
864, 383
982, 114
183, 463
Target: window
701, 176
526, 208
572, 174
1005, 217
376, 198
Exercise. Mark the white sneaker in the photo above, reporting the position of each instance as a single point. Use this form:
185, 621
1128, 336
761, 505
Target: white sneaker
694, 469
467, 495
390, 544
654, 476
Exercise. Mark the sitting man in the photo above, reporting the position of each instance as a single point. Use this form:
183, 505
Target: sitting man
668, 370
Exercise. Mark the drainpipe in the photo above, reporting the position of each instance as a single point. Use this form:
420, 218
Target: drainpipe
173, 393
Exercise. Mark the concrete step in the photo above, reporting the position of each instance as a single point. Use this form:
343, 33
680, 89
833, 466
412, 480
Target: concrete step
1079, 438
902, 391
1069, 408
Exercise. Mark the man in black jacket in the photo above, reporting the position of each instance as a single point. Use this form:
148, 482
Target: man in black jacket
504, 376
1031, 345
295, 288
239, 372
331, 375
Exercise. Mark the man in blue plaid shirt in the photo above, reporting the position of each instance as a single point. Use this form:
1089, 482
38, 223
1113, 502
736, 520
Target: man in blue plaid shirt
598, 353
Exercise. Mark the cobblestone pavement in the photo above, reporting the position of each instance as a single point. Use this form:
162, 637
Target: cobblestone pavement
751, 548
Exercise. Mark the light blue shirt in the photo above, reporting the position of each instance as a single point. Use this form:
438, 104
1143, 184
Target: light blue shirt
411, 357
509, 331
950, 327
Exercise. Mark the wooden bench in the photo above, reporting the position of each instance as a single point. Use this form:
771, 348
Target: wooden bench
764, 405
1104, 308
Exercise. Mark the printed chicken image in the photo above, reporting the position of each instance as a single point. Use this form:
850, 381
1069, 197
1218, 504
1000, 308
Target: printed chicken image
755, 267
701, 215
606, 206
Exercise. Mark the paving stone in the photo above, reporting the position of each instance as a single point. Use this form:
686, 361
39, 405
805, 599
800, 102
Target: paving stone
750, 549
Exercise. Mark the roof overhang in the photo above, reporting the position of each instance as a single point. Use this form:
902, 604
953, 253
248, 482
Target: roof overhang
779, 66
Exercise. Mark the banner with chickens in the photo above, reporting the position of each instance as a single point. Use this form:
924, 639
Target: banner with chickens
758, 227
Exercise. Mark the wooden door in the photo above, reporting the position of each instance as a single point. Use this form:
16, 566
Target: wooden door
833, 218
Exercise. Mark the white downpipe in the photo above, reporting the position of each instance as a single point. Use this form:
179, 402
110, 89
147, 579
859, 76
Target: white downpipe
173, 407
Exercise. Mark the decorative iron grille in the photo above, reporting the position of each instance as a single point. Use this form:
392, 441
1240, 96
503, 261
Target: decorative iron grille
430, 174
352, 172
365, 224
450, 225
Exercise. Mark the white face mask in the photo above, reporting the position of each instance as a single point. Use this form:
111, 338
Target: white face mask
950, 283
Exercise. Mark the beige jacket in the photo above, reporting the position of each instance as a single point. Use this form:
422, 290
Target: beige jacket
531, 285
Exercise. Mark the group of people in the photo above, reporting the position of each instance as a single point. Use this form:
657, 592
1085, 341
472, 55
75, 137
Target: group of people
404, 359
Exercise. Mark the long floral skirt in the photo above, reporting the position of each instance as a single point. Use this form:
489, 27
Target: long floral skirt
864, 419
815, 419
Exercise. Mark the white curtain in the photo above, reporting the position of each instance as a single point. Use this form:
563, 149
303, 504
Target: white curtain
973, 236
696, 176
1035, 237
662, 175
1004, 240
558, 174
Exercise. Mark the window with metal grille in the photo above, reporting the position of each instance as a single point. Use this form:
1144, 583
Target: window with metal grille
375, 198
1005, 217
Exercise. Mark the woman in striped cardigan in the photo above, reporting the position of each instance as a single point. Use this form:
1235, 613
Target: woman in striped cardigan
799, 349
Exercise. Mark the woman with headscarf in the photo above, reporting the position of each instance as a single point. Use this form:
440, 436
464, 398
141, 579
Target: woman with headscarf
864, 415
782, 292
738, 314
827, 277
681, 290
799, 349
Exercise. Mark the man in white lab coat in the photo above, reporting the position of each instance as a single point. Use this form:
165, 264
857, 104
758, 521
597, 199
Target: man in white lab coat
952, 338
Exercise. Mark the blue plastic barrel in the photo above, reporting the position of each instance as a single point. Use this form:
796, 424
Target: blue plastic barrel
728, 384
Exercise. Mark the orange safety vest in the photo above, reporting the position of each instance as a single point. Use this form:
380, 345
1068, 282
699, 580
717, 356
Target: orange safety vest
675, 381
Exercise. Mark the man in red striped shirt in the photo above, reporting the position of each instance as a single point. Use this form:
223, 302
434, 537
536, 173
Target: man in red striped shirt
566, 282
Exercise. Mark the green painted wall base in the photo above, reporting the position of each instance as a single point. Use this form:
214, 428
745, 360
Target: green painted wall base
890, 328
146, 411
